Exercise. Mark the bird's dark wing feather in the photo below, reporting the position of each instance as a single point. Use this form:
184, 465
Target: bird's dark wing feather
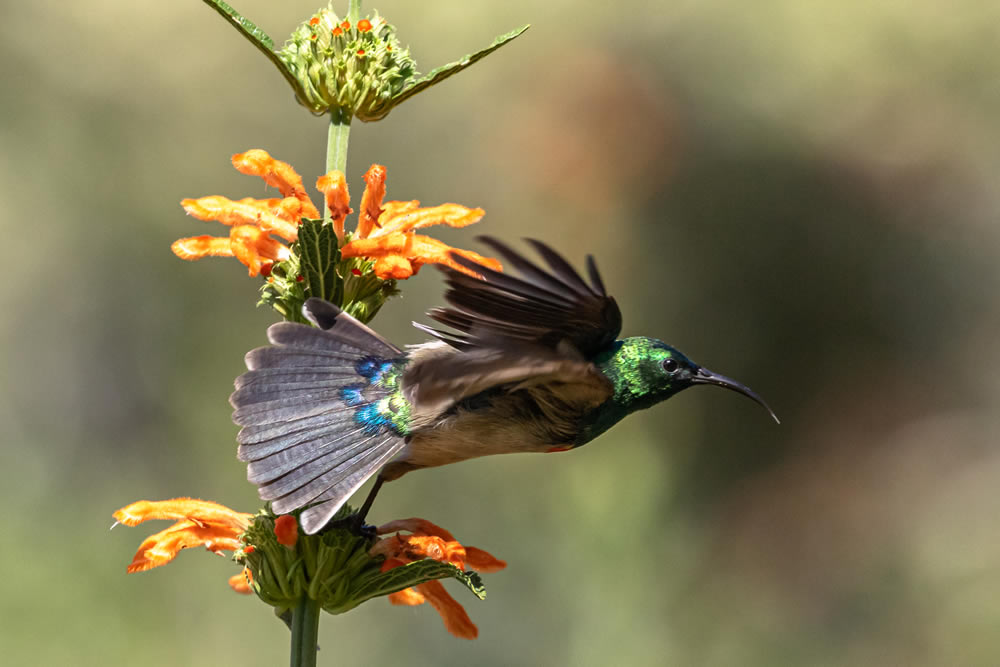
536, 329
306, 442
542, 306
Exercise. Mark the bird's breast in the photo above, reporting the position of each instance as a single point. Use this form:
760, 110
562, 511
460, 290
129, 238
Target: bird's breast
507, 424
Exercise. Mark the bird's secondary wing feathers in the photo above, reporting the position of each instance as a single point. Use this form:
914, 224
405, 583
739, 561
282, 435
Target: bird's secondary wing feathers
542, 307
540, 327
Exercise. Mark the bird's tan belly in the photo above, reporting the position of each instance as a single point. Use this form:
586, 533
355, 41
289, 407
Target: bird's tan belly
465, 437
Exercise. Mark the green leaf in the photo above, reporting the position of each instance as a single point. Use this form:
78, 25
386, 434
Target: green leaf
259, 39
443, 72
418, 572
243, 24
318, 254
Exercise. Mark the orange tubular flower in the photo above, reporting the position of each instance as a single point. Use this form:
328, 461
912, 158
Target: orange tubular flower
286, 530
334, 188
252, 220
385, 232
430, 541
198, 523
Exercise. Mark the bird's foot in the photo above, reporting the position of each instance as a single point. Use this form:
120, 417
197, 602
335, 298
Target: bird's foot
355, 524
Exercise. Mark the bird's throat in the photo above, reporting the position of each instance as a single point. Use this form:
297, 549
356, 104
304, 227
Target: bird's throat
622, 365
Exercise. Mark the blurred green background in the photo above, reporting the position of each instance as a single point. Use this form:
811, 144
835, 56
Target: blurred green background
802, 195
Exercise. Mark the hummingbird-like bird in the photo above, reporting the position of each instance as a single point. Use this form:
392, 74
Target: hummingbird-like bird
534, 364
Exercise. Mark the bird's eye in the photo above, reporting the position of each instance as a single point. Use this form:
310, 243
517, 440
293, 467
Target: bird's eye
670, 365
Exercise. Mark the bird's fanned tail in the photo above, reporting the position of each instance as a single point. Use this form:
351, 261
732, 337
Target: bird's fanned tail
316, 409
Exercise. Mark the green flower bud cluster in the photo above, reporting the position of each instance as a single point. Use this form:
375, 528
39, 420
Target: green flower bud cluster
332, 567
358, 68
355, 70
325, 567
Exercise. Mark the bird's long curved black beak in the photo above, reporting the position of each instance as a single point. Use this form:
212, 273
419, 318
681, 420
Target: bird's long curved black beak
705, 376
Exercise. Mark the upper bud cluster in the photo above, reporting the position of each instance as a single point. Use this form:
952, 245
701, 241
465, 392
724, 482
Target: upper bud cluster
358, 68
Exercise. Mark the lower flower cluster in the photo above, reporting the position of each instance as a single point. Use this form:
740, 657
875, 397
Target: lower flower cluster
338, 567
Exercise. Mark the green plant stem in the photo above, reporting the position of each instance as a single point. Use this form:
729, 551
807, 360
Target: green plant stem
337, 137
354, 11
305, 632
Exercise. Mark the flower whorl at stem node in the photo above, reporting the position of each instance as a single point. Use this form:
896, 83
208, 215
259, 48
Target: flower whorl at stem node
337, 567
359, 67
355, 69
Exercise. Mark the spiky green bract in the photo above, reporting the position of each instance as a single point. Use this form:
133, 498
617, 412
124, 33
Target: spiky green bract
332, 567
635, 368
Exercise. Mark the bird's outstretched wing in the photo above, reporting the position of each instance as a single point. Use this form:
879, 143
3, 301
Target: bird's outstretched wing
539, 329
543, 307
312, 431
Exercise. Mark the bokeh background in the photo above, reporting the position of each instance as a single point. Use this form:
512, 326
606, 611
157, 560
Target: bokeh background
802, 195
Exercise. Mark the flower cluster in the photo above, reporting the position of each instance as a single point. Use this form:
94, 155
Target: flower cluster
386, 235
385, 232
252, 221
197, 523
359, 67
349, 69
336, 567
355, 270
427, 540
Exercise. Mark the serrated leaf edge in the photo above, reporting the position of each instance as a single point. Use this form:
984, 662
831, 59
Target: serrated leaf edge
263, 42
439, 74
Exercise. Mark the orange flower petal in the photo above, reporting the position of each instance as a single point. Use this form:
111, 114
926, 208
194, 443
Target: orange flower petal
407, 220
290, 208
199, 523
254, 248
334, 188
371, 200
433, 541
488, 262
196, 247
243, 582
390, 244
391, 209
426, 250
408, 597
278, 174
245, 250
200, 512
402, 549
393, 267
163, 547
286, 530
456, 621
389, 547
432, 546
482, 561
415, 525
272, 219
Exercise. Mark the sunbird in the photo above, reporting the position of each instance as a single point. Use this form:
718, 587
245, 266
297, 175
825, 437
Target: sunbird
534, 364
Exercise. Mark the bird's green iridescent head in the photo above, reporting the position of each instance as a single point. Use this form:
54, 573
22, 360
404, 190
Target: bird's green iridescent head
645, 371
